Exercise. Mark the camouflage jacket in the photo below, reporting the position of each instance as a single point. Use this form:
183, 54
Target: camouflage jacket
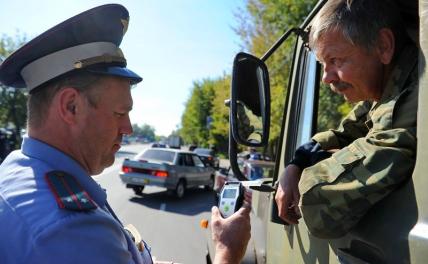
377, 143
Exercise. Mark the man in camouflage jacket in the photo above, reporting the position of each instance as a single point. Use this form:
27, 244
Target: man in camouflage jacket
338, 176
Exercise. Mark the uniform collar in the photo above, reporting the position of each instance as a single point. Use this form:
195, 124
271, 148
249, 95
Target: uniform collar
57, 160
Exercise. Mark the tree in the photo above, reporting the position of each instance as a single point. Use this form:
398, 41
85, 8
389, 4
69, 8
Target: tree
144, 131
219, 132
331, 109
205, 120
13, 108
197, 115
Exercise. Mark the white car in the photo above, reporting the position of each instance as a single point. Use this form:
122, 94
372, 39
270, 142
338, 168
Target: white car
173, 169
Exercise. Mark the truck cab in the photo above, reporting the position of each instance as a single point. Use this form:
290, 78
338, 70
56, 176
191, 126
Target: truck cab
395, 230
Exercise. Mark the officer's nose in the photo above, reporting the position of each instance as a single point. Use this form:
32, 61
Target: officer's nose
126, 127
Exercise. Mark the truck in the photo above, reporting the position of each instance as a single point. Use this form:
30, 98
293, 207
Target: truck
395, 230
174, 141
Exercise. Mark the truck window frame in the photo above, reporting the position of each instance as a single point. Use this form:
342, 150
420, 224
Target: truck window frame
298, 88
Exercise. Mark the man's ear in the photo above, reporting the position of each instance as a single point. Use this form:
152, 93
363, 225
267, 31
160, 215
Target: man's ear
386, 45
68, 104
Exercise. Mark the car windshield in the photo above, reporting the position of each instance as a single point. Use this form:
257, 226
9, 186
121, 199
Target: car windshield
157, 154
201, 151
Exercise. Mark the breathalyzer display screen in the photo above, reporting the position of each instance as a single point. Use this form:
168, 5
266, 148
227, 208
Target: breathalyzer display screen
229, 193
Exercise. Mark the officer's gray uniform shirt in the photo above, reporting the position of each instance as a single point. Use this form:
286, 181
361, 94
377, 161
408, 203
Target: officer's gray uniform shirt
33, 227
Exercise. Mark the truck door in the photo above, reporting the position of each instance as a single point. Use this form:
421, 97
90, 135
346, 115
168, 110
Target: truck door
293, 243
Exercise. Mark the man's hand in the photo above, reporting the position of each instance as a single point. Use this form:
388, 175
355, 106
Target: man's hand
287, 195
231, 235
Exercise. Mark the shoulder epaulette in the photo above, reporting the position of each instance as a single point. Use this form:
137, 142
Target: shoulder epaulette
69, 194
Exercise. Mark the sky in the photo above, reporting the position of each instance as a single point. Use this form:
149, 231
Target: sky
170, 43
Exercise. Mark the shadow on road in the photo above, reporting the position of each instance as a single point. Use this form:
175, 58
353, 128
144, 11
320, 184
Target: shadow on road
194, 202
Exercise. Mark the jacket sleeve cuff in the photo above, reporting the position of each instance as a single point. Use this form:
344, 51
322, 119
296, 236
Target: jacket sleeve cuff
327, 140
309, 154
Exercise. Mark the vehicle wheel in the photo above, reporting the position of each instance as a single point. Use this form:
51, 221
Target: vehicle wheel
138, 190
210, 185
180, 189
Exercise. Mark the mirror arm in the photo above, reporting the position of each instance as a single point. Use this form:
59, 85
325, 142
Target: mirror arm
233, 158
232, 148
278, 43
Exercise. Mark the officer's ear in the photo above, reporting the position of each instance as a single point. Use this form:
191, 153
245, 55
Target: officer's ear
386, 45
68, 104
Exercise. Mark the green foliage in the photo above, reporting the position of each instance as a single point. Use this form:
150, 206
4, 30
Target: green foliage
195, 120
159, 138
13, 106
219, 132
331, 109
205, 121
345, 108
145, 131
264, 21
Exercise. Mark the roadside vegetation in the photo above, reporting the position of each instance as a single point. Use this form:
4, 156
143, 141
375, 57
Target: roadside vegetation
13, 106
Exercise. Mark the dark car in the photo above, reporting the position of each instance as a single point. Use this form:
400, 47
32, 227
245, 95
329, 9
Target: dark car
7, 142
208, 157
192, 147
158, 145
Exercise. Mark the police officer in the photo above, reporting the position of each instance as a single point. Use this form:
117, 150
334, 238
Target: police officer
51, 210
368, 58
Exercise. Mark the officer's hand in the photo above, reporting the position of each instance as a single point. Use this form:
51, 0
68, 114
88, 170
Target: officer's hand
287, 195
231, 235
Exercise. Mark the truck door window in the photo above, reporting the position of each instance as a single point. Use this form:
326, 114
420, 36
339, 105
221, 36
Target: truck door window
331, 108
309, 74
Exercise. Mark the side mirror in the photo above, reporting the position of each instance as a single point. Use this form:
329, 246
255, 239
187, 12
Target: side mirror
250, 102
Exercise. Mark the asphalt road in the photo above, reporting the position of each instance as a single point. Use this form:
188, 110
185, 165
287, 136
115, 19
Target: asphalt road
170, 226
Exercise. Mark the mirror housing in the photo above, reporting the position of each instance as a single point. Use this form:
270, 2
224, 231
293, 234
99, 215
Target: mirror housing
250, 101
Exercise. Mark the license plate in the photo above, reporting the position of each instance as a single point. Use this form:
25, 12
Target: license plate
138, 180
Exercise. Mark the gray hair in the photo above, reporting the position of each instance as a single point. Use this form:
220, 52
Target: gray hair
358, 20
40, 99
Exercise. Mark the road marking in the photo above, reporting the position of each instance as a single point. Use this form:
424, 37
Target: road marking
163, 206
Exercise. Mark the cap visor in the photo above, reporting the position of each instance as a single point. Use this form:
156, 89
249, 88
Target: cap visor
119, 72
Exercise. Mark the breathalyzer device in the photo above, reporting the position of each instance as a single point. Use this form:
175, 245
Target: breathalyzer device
231, 198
